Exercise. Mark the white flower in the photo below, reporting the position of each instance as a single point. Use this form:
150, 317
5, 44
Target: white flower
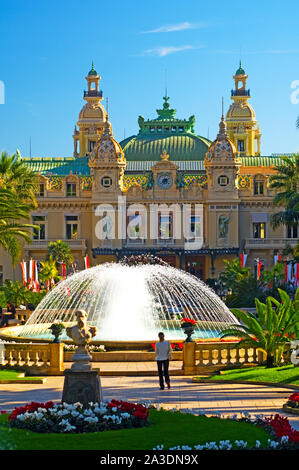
199, 447
241, 444
284, 439
88, 413
211, 446
91, 419
67, 425
159, 447
225, 445
257, 444
272, 444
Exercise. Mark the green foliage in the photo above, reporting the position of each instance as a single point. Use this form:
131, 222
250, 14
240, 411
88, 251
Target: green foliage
286, 182
18, 185
274, 324
49, 270
60, 252
242, 286
14, 292
17, 294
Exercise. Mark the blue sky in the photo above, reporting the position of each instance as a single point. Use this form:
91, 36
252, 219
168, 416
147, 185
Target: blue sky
47, 47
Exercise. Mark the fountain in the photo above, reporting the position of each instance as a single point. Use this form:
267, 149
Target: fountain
129, 305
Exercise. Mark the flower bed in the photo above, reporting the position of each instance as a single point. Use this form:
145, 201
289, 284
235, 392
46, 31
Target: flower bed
292, 405
278, 427
74, 418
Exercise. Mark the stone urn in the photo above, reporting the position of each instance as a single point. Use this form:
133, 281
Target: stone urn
57, 329
188, 327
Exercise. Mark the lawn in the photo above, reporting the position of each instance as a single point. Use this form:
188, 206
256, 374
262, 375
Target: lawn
14, 376
284, 375
165, 428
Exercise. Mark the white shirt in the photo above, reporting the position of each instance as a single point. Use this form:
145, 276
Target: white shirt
163, 351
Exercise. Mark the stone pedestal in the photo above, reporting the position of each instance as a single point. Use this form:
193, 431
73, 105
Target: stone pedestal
82, 386
189, 358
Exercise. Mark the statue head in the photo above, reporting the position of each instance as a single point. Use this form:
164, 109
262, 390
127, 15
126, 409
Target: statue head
81, 317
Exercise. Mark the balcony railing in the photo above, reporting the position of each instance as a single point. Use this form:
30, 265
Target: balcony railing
270, 242
93, 93
240, 93
134, 242
43, 244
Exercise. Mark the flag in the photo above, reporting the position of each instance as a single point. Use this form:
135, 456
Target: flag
86, 262
24, 272
36, 278
243, 258
31, 281
259, 266
277, 258
63, 270
297, 274
287, 272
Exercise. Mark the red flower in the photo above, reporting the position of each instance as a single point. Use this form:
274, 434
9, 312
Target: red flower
30, 407
282, 427
188, 320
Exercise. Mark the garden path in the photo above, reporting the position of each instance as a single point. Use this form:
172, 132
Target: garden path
227, 399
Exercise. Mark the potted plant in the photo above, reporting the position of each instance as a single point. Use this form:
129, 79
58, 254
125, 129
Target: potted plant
56, 329
188, 325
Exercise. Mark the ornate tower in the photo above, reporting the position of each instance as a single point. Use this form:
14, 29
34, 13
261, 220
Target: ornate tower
92, 117
242, 126
222, 165
107, 165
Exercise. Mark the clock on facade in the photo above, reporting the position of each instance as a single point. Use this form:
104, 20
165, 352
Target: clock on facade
164, 180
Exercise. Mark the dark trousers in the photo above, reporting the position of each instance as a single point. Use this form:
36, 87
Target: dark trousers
163, 370
4, 319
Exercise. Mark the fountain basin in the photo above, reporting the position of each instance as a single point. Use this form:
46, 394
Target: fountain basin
129, 305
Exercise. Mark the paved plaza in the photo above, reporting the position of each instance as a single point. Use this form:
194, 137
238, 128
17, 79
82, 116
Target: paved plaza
227, 399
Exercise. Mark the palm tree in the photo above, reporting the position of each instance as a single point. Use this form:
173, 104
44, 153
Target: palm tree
273, 326
49, 272
17, 176
13, 229
18, 185
287, 183
60, 252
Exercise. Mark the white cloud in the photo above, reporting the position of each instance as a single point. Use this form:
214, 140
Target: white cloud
175, 27
162, 51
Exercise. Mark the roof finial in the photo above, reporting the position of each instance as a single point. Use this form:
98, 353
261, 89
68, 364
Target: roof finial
222, 115
165, 82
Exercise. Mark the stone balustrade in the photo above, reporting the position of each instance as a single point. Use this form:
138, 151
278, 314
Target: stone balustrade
36, 359
210, 357
207, 357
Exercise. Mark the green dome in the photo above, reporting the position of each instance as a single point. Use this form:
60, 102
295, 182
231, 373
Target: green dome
165, 132
147, 147
92, 71
240, 70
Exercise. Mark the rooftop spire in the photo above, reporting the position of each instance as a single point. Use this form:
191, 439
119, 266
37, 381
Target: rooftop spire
92, 71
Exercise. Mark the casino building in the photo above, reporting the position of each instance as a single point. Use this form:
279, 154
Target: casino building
165, 190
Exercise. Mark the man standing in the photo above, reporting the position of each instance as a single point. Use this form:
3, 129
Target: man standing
163, 352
